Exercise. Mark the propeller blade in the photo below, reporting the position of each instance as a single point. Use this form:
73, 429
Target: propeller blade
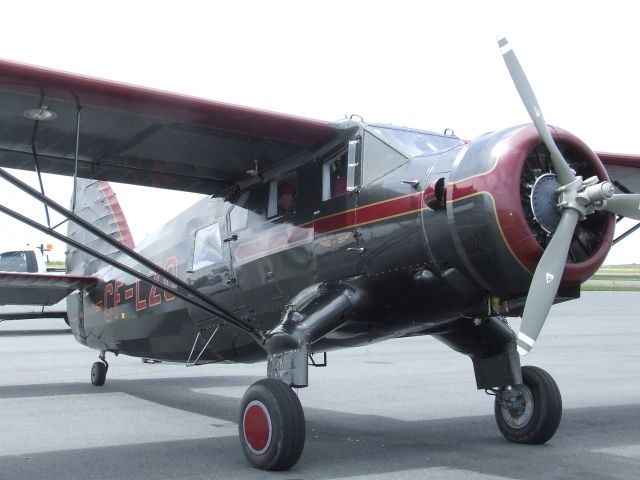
560, 165
546, 280
624, 204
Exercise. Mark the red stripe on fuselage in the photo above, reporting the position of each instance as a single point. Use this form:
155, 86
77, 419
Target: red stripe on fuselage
349, 219
373, 212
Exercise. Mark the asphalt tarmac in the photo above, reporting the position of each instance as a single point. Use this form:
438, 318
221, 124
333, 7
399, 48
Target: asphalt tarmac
400, 409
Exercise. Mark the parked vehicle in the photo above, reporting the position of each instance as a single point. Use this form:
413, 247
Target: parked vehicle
29, 260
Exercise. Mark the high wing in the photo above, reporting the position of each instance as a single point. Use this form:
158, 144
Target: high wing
17, 288
141, 136
148, 137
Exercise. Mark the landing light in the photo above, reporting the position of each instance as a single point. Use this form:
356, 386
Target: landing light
42, 114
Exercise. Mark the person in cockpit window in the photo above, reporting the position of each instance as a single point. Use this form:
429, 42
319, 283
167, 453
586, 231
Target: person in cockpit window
339, 177
286, 197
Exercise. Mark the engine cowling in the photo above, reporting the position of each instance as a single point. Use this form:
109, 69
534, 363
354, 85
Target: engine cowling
501, 207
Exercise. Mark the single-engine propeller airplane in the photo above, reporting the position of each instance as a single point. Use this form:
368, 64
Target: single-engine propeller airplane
314, 236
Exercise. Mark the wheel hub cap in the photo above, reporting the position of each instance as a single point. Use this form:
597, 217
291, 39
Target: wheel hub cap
256, 425
519, 419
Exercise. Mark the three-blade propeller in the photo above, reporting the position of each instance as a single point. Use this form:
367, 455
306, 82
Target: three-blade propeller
577, 199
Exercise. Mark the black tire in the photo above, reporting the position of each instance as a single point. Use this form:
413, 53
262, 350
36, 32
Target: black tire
98, 373
271, 425
542, 414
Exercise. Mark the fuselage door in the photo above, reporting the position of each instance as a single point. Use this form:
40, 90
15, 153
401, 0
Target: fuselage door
256, 247
210, 265
335, 222
387, 208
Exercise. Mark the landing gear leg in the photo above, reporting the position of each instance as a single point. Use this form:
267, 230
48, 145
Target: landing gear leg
99, 370
271, 425
271, 420
531, 412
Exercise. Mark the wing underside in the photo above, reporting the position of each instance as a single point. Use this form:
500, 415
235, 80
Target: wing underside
623, 170
141, 136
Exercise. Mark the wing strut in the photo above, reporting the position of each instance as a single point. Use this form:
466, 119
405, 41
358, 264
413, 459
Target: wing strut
626, 234
37, 169
75, 161
191, 296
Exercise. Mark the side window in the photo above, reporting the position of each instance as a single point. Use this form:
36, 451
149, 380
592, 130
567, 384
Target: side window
334, 177
282, 197
379, 158
207, 249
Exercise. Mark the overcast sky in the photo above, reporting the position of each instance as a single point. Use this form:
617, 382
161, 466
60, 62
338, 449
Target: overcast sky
430, 65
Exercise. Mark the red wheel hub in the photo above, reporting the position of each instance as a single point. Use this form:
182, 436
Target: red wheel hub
256, 425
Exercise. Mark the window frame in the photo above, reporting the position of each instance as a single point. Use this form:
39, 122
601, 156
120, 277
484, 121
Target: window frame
194, 250
327, 174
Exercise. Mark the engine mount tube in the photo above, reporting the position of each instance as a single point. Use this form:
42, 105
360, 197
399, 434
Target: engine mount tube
313, 313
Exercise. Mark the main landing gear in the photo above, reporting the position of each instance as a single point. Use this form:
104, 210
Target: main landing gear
271, 425
271, 420
529, 413
99, 370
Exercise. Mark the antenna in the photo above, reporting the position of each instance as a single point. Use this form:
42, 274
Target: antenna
254, 172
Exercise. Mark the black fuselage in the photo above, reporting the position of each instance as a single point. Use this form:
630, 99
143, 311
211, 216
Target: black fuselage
390, 235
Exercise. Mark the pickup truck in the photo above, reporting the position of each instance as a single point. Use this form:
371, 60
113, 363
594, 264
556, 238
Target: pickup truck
29, 260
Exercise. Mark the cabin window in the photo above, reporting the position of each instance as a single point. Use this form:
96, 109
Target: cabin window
334, 177
379, 158
207, 249
414, 142
282, 197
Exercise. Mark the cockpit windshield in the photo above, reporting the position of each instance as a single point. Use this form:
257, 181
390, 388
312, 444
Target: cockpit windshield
413, 143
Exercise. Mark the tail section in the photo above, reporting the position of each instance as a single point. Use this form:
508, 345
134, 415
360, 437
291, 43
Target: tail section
97, 204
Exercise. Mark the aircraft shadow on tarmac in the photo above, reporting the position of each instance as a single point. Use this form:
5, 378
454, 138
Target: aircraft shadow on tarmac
338, 444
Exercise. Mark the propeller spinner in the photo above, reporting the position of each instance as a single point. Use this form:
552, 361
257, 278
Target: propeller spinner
577, 198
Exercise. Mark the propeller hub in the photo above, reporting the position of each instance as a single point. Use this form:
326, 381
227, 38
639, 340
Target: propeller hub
544, 202
596, 194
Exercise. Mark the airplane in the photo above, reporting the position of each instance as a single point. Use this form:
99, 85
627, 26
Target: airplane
314, 236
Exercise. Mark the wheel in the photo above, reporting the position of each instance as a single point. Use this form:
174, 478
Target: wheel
539, 419
98, 373
271, 425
